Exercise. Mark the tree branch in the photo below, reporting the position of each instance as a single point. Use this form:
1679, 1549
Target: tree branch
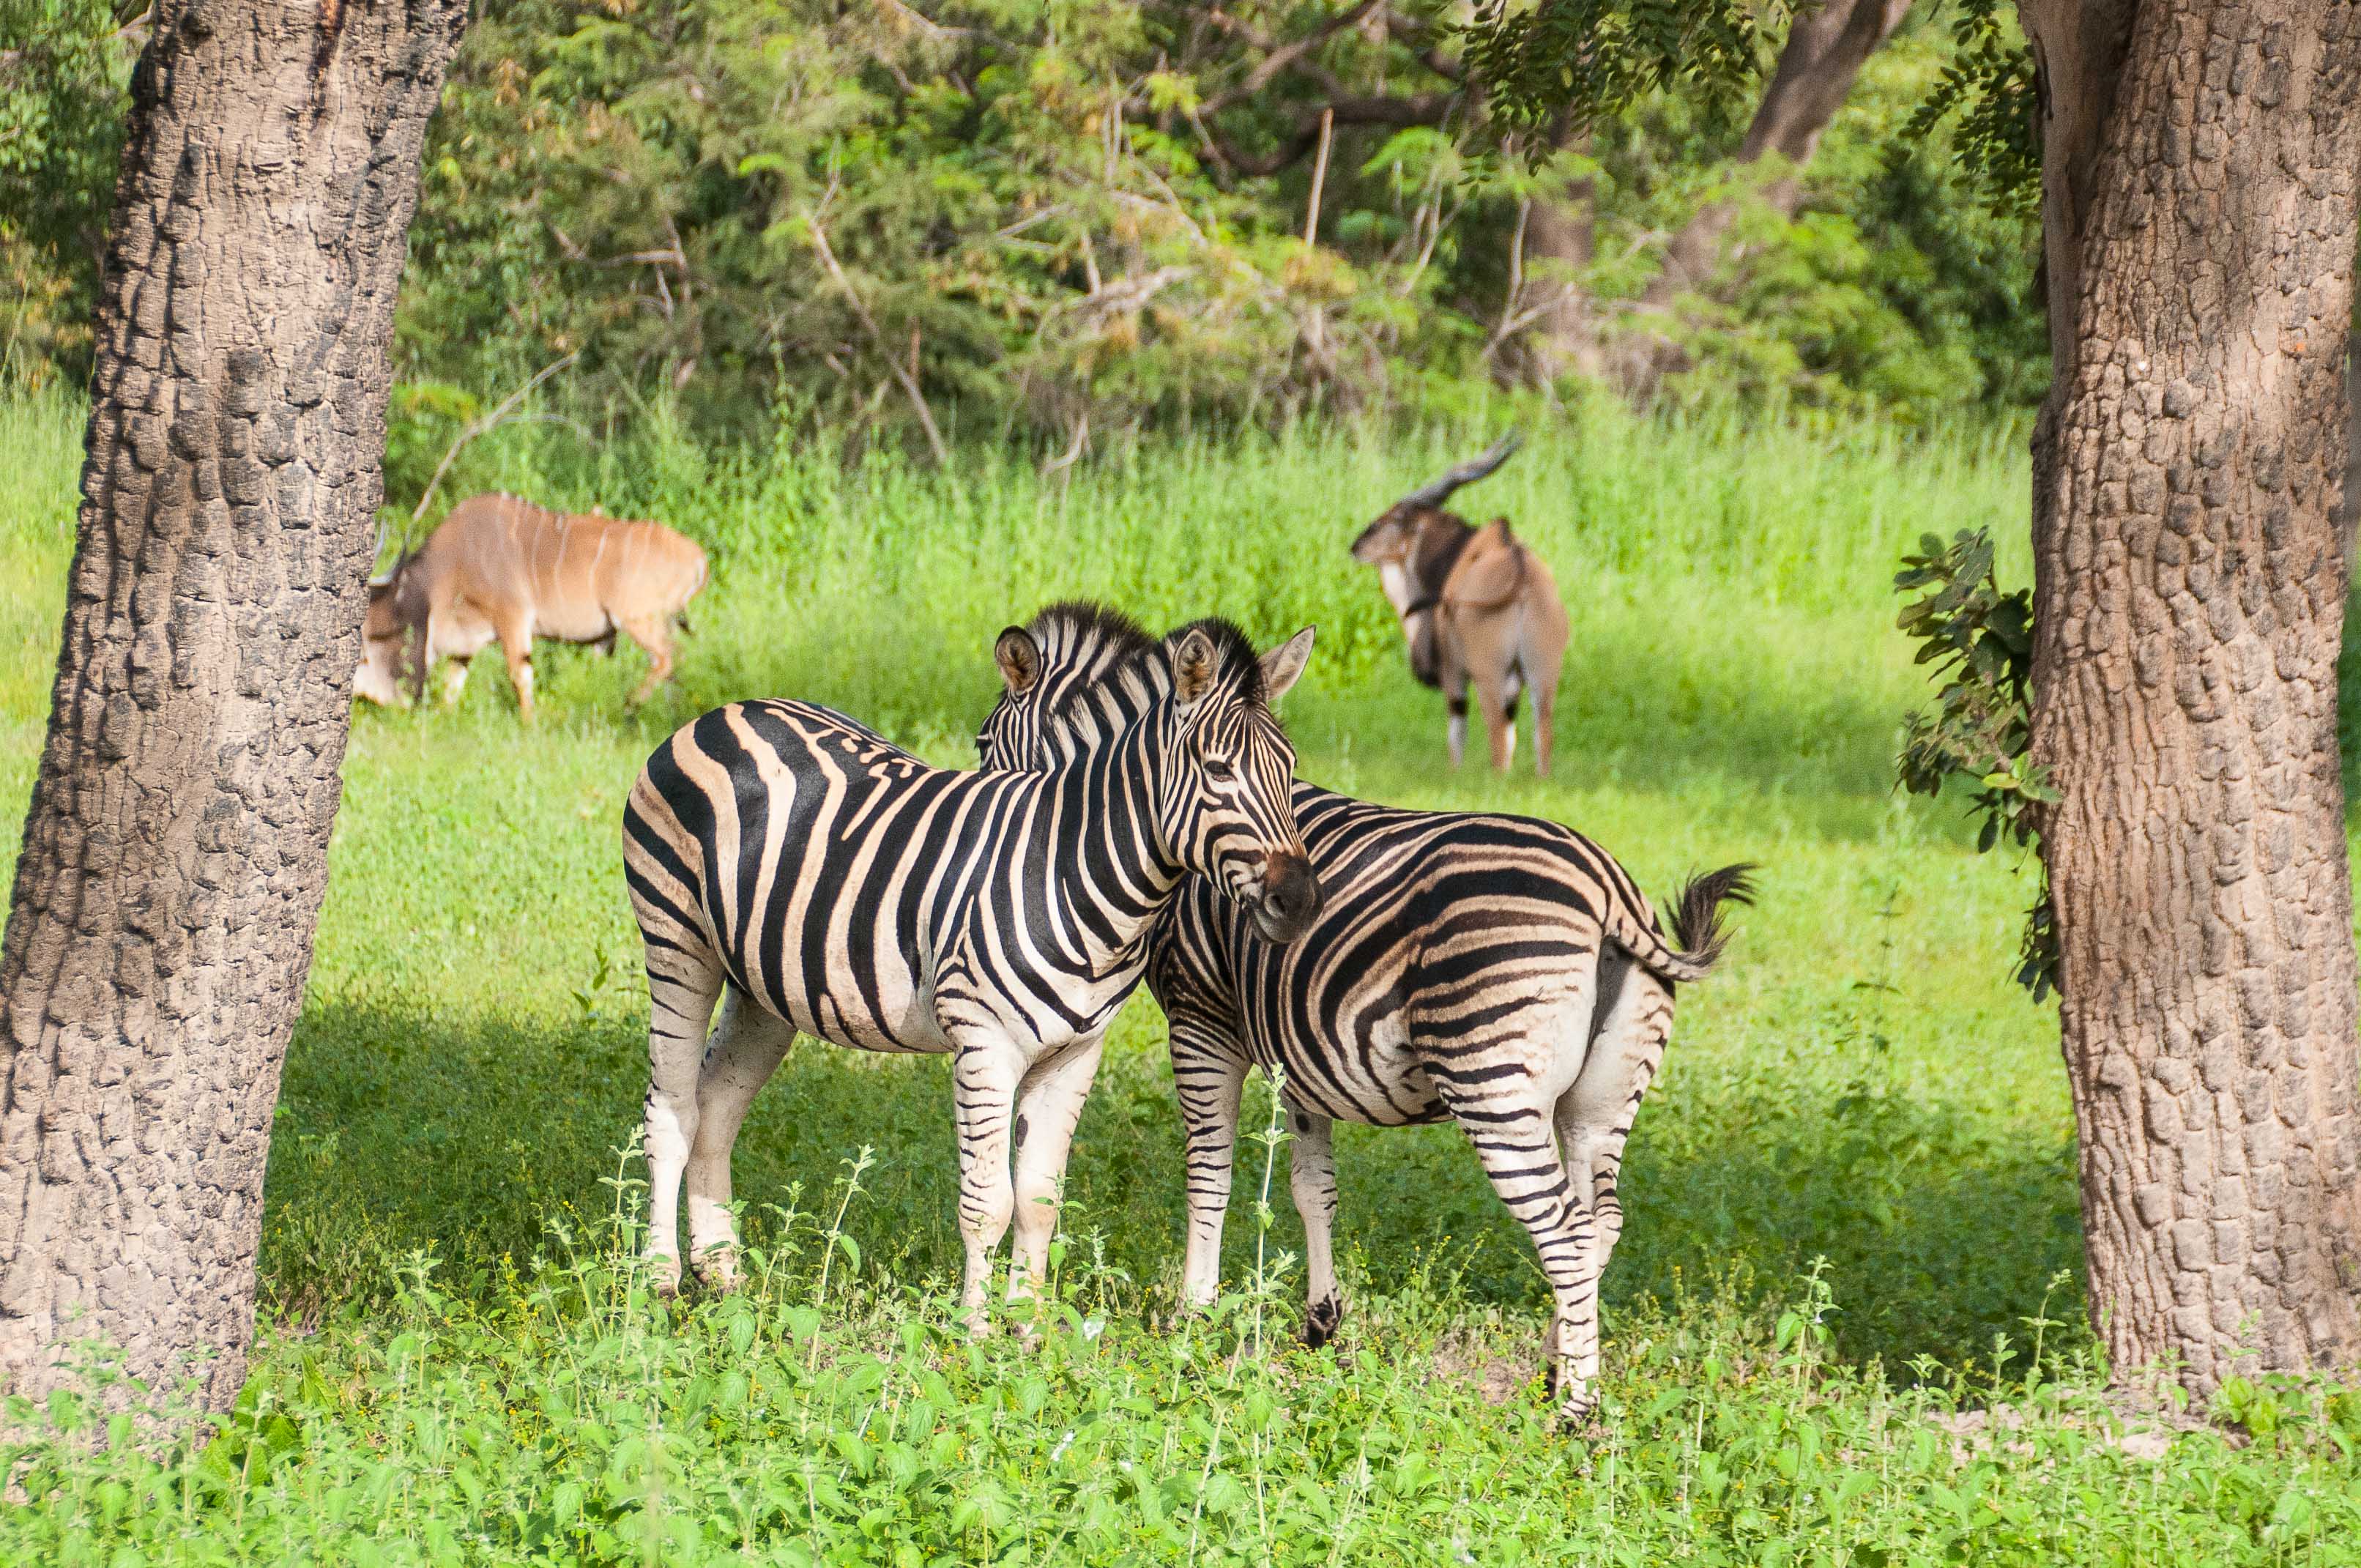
869, 325
483, 425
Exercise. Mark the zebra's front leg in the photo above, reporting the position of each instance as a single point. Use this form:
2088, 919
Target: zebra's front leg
987, 1068
681, 994
748, 1044
1311, 1177
1521, 1157
1049, 1102
1211, 1084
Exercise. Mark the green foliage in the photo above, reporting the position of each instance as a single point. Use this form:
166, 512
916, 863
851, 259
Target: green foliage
1578, 63
1895, 287
1980, 642
64, 67
1989, 81
566, 1417
1055, 219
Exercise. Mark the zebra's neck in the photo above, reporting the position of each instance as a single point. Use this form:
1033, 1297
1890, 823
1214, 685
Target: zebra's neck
1112, 744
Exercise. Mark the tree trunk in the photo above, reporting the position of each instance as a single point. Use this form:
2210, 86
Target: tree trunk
176, 850
1559, 240
1825, 49
2198, 227
1822, 58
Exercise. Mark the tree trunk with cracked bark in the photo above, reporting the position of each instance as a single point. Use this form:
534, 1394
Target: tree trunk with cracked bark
175, 854
2199, 229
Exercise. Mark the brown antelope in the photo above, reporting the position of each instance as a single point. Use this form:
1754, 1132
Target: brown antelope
1476, 606
501, 567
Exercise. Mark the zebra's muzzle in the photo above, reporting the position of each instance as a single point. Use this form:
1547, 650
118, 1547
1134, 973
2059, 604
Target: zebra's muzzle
1290, 897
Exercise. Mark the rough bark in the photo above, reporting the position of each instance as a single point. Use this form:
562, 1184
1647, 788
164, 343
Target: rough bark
176, 850
2189, 594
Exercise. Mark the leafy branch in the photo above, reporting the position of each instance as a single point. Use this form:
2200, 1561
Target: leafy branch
1980, 642
1989, 82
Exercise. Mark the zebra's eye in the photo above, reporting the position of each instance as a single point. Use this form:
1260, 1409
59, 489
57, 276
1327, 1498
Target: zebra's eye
1217, 769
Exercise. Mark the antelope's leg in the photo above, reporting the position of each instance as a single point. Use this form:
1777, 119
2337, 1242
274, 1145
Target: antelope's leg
654, 638
1545, 718
1311, 1177
1049, 1102
455, 681
681, 990
1211, 1081
748, 1044
1498, 728
515, 632
987, 1068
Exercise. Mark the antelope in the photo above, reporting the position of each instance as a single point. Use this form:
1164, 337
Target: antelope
501, 568
1476, 606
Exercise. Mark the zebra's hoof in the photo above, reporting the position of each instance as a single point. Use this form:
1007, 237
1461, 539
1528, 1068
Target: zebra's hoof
1578, 1416
1321, 1320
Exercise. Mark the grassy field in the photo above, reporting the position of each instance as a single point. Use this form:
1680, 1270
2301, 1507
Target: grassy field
1845, 1323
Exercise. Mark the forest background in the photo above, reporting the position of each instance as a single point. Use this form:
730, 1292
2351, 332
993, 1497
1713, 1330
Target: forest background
1075, 223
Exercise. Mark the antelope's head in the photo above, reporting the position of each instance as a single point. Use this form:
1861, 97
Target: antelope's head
1402, 530
395, 617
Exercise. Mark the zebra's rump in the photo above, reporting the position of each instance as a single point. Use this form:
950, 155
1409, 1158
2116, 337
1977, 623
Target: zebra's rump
812, 860
1443, 938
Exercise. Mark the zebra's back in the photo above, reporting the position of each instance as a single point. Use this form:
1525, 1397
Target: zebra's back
819, 864
1439, 930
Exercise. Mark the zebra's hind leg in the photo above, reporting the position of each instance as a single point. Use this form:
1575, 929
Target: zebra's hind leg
681, 990
1311, 1177
1594, 1118
1520, 1155
1049, 1101
1210, 1083
748, 1044
987, 1068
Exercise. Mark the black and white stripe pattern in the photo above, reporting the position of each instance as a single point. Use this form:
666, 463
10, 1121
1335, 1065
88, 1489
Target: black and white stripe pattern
1500, 970
791, 865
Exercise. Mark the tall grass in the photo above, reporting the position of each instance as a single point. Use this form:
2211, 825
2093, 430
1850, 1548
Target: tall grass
1851, 1196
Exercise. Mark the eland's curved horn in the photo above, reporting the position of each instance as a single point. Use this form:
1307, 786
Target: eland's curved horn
1436, 494
378, 549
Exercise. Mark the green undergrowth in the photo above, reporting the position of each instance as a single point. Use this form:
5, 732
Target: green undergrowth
1859, 1155
821, 1415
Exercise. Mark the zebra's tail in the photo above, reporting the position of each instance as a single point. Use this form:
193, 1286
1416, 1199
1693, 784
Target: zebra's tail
1696, 921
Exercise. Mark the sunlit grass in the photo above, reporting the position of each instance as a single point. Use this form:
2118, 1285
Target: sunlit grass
1861, 1084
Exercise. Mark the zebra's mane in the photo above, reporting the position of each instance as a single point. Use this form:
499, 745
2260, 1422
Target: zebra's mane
1080, 637
1083, 633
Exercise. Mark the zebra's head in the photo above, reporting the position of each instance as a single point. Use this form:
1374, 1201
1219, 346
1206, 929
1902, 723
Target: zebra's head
1065, 647
1226, 809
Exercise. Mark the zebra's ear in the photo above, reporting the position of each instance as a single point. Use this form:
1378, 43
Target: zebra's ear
1283, 666
1020, 658
1195, 663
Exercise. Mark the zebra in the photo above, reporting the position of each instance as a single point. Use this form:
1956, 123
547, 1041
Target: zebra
793, 866
1503, 971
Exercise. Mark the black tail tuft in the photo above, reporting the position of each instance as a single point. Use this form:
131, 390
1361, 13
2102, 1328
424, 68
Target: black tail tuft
1695, 915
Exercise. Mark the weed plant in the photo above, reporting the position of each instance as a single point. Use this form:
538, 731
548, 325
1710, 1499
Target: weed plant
1845, 1322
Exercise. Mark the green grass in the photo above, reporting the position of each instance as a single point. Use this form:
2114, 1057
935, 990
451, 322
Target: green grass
1863, 1085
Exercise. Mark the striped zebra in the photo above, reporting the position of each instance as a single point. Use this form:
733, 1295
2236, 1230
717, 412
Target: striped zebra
791, 865
1500, 970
